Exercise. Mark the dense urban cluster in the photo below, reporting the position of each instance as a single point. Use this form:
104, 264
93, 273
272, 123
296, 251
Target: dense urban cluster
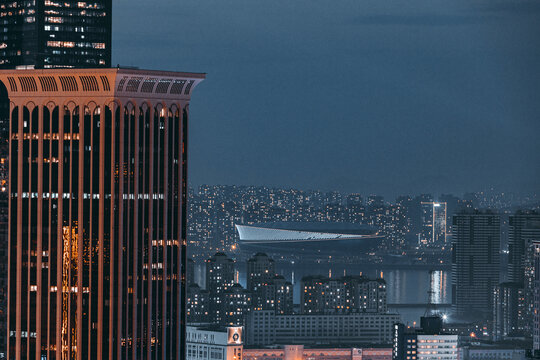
348, 310
408, 222
495, 257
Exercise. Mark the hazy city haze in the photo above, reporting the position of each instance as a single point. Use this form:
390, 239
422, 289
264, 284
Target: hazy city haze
372, 96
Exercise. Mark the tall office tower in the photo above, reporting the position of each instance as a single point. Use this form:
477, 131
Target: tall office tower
420, 215
260, 272
55, 34
434, 223
97, 213
524, 228
475, 262
219, 278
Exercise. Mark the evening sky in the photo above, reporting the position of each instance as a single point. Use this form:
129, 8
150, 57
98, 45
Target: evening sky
372, 96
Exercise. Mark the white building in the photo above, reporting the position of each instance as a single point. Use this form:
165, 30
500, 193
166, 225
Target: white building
267, 328
437, 347
214, 343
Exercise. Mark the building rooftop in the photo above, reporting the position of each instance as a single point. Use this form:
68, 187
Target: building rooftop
124, 83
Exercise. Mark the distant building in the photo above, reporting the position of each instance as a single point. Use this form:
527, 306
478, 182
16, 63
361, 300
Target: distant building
524, 228
475, 262
299, 352
491, 352
265, 328
534, 255
508, 310
214, 343
237, 303
283, 295
56, 34
219, 278
434, 227
198, 304
190, 272
348, 294
260, 273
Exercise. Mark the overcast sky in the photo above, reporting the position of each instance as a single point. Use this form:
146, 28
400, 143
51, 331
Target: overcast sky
372, 96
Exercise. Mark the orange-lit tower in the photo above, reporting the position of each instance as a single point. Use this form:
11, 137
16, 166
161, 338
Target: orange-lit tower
97, 213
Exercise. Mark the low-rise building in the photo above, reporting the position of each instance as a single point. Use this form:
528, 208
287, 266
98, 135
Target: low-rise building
265, 328
298, 352
214, 343
427, 342
479, 352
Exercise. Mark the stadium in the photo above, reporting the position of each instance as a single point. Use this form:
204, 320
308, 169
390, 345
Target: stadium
308, 238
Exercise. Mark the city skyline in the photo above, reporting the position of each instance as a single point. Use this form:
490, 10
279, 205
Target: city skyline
428, 97
384, 157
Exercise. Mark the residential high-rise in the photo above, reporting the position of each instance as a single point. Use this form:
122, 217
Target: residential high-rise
475, 262
55, 34
283, 297
260, 272
97, 212
524, 228
348, 294
236, 305
219, 278
197, 304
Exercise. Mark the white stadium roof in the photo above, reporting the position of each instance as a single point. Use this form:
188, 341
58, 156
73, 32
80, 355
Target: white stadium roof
262, 234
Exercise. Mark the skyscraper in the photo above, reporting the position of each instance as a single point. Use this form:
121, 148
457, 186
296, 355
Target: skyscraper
475, 262
97, 212
524, 228
55, 34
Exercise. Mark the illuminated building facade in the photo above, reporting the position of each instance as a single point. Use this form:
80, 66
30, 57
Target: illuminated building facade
260, 273
55, 34
266, 328
214, 343
434, 223
427, 342
219, 278
97, 213
298, 352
